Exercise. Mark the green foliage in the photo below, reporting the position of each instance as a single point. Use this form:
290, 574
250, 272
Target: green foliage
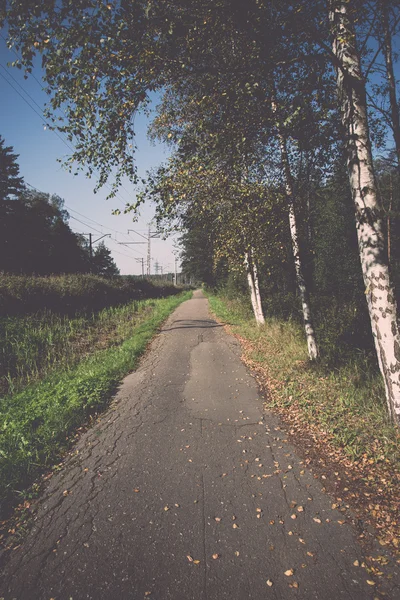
35, 237
103, 263
36, 422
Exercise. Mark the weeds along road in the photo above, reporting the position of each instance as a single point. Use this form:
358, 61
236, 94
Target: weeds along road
186, 490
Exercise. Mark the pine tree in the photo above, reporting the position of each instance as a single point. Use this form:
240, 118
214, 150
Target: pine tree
10, 182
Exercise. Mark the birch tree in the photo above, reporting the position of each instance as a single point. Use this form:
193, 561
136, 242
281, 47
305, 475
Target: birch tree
301, 282
368, 212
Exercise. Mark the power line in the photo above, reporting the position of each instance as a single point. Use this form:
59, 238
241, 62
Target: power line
32, 107
94, 229
41, 115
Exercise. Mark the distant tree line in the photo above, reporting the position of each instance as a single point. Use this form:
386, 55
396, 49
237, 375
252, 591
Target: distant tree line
35, 237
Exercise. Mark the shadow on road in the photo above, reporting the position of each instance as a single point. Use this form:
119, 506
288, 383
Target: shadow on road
192, 324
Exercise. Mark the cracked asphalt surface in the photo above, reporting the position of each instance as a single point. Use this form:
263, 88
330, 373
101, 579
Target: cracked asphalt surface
186, 489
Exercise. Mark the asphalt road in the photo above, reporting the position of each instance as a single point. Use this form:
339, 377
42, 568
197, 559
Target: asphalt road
187, 490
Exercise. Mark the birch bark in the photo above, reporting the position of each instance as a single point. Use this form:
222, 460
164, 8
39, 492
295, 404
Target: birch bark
256, 304
312, 346
368, 212
257, 292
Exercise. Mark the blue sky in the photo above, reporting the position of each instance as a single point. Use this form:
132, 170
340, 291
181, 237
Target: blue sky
23, 127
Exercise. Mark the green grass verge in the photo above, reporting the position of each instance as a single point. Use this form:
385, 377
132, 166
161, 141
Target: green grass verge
36, 421
346, 403
32, 346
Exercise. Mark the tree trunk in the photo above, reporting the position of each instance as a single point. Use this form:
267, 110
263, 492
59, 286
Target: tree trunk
312, 346
256, 304
387, 50
257, 291
369, 222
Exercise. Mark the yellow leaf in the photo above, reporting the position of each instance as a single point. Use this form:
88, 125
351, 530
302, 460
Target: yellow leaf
269, 583
370, 582
289, 572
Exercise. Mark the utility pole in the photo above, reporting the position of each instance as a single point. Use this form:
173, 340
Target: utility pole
141, 261
151, 234
148, 253
176, 272
92, 242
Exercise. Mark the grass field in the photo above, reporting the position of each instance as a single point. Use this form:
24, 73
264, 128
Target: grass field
34, 345
74, 366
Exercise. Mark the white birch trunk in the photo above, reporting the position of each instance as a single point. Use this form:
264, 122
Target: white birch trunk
257, 292
312, 346
369, 223
252, 288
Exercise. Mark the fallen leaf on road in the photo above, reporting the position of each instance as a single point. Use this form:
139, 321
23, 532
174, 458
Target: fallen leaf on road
196, 562
293, 516
301, 541
317, 520
370, 582
269, 583
235, 526
300, 509
294, 585
272, 522
215, 556
218, 519
237, 553
259, 510
289, 572
190, 558
356, 563
166, 508
310, 554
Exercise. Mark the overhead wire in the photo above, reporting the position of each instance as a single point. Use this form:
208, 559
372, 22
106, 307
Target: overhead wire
89, 226
41, 115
